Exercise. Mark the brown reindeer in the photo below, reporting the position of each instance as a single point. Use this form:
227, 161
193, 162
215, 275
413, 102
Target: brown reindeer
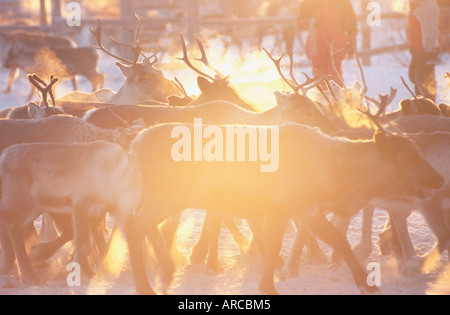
336, 175
77, 180
56, 129
143, 82
33, 110
29, 42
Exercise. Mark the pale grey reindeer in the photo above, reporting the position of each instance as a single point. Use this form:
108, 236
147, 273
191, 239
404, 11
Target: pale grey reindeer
143, 82
82, 181
30, 42
56, 129
293, 107
63, 62
308, 182
43, 110
433, 141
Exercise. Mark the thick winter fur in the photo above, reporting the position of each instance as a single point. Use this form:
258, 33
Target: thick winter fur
74, 61
291, 108
34, 111
81, 180
56, 129
332, 174
30, 42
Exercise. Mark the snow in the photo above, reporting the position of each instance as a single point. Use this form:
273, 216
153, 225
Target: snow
243, 272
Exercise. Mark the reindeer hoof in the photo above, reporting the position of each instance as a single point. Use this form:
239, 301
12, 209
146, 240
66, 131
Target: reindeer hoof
215, 267
198, 256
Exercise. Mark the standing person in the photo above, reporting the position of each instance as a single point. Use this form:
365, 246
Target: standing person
332, 26
425, 39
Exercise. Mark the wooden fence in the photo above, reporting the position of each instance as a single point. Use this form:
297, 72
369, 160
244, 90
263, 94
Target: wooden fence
190, 22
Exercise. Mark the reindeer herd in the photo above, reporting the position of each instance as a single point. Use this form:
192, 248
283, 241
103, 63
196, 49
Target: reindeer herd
73, 160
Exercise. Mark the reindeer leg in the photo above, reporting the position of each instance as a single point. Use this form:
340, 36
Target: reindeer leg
44, 251
30, 96
293, 261
320, 226
82, 235
74, 83
238, 237
163, 255
12, 76
16, 233
399, 219
8, 255
135, 231
169, 231
364, 248
272, 241
201, 248
213, 263
341, 224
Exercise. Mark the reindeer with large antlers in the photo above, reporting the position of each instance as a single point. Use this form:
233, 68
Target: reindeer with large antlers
143, 82
213, 88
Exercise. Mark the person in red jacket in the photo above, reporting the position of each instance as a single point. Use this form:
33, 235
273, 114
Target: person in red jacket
332, 26
425, 39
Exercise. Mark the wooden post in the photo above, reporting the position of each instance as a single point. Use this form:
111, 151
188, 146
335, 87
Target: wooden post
366, 35
193, 19
126, 8
56, 10
43, 14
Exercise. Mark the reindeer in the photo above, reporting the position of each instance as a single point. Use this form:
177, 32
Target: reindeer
30, 42
213, 87
143, 81
55, 129
79, 180
241, 189
33, 110
64, 62
292, 108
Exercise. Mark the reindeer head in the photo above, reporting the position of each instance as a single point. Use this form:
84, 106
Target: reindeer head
43, 110
417, 177
414, 176
297, 105
213, 88
143, 81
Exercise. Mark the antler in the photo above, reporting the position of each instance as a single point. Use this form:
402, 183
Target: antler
45, 89
137, 50
408, 88
304, 87
203, 59
180, 87
385, 101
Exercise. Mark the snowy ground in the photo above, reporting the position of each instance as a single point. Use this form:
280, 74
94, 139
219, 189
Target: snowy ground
242, 273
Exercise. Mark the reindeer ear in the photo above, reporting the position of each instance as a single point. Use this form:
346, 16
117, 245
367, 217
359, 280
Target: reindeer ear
281, 98
408, 107
204, 84
34, 111
445, 109
127, 71
384, 141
